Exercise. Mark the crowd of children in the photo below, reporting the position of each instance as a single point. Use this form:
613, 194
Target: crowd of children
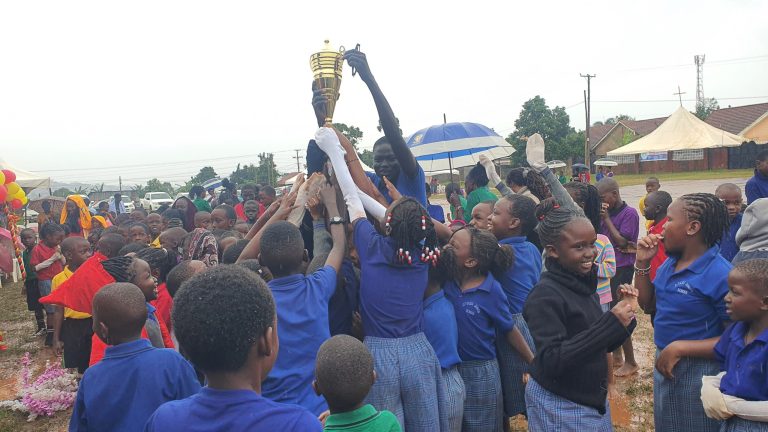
348, 304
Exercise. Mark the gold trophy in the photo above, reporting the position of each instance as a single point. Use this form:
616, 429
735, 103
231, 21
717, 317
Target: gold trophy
326, 67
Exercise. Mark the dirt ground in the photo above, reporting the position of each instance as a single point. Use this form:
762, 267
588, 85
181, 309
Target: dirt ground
631, 411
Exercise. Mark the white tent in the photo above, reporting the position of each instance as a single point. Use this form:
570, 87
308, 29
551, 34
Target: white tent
27, 180
681, 131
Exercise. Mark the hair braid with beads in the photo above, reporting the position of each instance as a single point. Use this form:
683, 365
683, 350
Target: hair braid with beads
710, 212
409, 224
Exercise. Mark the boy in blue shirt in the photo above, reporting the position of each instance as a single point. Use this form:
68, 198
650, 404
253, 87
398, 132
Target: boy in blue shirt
435, 211
757, 186
730, 195
344, 375
302, 305
133, 379
235, 353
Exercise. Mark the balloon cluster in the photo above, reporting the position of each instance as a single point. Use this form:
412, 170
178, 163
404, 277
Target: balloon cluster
10, 191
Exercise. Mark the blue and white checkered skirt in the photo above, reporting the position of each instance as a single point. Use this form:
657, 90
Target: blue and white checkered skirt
738, 424
409, 381
483, 408
512, 367
677, 403
550, 412
453, 402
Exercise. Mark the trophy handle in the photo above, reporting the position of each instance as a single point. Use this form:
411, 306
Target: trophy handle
354, 70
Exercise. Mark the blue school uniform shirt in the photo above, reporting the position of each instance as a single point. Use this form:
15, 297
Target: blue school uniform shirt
756, 187
524, 273
746, 366
391, 295
214, 410
441, 330
407, 186
436, 212
481, 312
690, 303
121, 392
302, 323
728, 246
344, 301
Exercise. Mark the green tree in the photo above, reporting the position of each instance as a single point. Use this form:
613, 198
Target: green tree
704, 109
266, 171
139, 190
366, 157
155, 185
353, 133
245, 174
62, 192
206, 173
571, 146
380, 129
551, 124
618, 118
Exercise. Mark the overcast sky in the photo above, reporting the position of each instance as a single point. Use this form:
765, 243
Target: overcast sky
171, 84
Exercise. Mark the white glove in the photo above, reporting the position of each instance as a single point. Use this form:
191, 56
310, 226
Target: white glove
372, 206
490, 169
534, 152
329, 143
712, 398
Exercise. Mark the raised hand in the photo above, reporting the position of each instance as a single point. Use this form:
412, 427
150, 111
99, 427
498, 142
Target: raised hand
490, 169
357, 60
319, 104
393, 192
534, 152
327, 140
327, 195
629, 294
315, 207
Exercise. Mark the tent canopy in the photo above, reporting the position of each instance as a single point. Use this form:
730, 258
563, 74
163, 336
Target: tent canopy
681, 131
25, 179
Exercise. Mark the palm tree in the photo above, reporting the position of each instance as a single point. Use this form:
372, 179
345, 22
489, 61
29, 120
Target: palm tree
80, 190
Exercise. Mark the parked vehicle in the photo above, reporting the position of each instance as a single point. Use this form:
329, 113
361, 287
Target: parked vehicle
153, 200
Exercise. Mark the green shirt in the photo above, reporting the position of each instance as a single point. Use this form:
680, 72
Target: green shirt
365, 418
463, 202
476, 197
29, 268
202, 205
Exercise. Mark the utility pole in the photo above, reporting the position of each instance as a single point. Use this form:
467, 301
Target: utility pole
679, 95
588, 110
699, 60
298, 161
120, 180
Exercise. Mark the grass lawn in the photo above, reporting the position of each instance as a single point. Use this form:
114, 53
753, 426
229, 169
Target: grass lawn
636, 179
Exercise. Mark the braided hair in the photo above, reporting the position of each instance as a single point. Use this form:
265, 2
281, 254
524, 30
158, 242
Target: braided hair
553, 219
409, 224
587, 197
530, 179
490, 255
120, 268
710, 212
159, 259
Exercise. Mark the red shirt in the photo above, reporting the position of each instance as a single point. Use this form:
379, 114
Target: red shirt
164, 303
40, 253
240, 211
661, 256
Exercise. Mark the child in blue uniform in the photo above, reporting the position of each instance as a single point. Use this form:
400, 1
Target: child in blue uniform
731, 196
511, 222
689, 288
569, 377
392, 284
470, 260
133, 379
441, 331
225, 321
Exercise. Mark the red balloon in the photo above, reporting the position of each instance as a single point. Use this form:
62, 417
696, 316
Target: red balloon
16, 204
10, 176
3, 193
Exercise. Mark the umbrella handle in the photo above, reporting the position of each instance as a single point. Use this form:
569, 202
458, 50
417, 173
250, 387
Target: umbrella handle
354, 70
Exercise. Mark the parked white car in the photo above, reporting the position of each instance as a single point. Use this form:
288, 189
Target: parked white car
153, 200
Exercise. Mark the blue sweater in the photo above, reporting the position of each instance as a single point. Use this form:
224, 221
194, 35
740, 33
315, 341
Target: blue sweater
756, 187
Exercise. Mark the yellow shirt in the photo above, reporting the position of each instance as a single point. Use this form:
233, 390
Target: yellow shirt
55, 283
155, 243
641, 207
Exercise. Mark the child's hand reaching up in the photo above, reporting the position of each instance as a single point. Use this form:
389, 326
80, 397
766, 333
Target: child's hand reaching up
327, 194
287, 205
490, 169
629, 294
393, 192
315, 207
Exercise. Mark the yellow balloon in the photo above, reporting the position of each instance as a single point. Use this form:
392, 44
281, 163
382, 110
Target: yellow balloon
13, 188
24, 200
2, 177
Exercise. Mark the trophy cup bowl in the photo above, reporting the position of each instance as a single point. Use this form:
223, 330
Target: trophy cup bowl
326, 70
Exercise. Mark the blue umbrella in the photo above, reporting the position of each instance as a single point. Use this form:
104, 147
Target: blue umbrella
455, 145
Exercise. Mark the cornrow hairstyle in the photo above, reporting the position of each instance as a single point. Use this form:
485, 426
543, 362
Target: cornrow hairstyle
490, 255
478, 176
228, 210
196, 191
120, 268
530, 179
587, 197
553, 219
159, 259
50, 228
756, 271
711, 214
409, 224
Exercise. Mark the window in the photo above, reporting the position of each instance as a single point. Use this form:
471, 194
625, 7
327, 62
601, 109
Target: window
624, 159
688, 155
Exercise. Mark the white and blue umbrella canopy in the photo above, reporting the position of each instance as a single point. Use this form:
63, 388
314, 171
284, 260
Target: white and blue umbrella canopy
456, 145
